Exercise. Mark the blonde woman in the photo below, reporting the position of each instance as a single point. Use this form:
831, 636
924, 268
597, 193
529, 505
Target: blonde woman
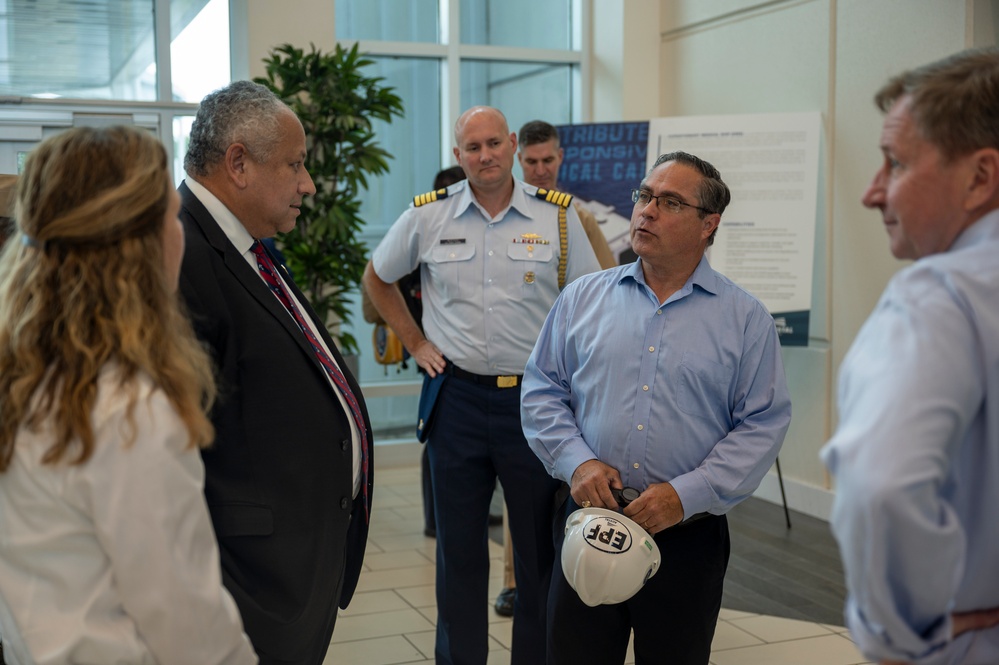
107, 553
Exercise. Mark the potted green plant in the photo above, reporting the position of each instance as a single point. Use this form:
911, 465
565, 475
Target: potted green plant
336, 103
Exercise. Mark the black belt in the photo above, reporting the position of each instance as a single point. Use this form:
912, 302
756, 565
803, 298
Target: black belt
498, 382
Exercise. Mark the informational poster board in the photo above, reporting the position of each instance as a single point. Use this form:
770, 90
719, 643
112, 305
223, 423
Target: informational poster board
770, 162
767, 236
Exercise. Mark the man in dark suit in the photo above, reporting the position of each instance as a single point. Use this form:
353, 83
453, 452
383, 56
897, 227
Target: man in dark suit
289, 477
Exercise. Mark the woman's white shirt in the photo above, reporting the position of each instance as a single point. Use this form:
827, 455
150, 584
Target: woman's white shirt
114, 560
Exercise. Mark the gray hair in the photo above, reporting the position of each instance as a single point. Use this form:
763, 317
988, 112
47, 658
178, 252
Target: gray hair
242, 112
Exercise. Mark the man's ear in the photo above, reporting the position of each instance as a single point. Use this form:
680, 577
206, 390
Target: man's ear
236, 158
711, 223
983, 181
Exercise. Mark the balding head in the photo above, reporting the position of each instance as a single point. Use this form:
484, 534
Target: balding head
485, 149
478, 112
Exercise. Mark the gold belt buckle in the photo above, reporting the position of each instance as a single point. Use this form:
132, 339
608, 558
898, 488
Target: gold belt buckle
506, 381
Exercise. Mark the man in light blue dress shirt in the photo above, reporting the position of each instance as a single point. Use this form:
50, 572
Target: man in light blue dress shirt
489, 252
916, 452
666, 377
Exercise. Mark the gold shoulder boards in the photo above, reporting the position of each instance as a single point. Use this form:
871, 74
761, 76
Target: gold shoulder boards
429, 197
558, 198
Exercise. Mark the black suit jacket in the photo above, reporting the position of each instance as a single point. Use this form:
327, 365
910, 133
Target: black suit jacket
279, 475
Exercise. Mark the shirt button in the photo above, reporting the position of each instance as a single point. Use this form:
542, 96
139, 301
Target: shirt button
651, 349
658, 312
636, 465
344, 444
645, 387
641, 427
344, 503
452, 255
490, 252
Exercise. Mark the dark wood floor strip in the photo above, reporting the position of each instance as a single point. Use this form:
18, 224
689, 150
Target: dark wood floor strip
794, 573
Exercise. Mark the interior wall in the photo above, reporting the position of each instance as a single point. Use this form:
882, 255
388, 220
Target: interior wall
268, 24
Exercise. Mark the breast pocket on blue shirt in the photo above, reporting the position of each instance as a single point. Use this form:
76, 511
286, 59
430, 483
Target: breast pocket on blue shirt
451, 269
702, 387
528, 264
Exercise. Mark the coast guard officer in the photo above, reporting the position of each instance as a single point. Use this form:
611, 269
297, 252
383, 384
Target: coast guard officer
494, 252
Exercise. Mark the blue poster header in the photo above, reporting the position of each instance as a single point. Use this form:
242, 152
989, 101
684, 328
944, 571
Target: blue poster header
604, 161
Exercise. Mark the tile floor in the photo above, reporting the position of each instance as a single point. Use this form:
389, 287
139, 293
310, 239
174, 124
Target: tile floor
391, 620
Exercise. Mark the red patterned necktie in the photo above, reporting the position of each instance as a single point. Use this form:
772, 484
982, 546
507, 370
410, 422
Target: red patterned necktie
269, 272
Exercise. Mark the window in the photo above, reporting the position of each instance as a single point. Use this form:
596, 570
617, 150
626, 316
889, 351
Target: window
88, 51
110, 51
414, 140
181, 138
199, 48
523, 91
387, 20
107, 50
442, 57
520, 23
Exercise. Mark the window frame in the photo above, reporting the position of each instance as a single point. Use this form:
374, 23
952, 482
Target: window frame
450, 52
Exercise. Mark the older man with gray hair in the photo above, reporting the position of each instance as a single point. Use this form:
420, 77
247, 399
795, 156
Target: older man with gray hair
289, 478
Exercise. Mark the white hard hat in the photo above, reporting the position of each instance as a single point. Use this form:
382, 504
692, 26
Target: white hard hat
606, 557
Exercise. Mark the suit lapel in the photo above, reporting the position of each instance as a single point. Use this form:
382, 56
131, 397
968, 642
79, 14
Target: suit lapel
324, 333
337, 358
244, 273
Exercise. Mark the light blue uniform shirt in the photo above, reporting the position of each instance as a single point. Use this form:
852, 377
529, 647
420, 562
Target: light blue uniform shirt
916, 458
690, 391
486, 291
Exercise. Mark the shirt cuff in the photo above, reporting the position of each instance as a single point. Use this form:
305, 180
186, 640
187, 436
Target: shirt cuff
694, 492
874, 641
574, 454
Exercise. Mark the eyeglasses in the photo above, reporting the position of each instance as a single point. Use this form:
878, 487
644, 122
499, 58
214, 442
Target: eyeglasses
664, 202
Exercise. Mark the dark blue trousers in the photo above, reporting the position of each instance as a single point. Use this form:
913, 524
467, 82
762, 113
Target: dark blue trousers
476, 437
673, 615
429, 523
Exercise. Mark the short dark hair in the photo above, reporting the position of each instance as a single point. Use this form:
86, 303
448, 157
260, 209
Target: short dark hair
953, 101
241, 112
537, 131
713, 192
449, 176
